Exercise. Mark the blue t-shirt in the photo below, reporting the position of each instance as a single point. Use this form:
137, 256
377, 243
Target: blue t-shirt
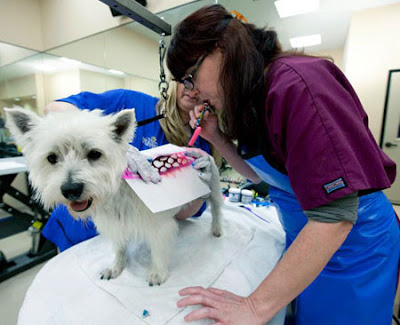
62, 229
147, 136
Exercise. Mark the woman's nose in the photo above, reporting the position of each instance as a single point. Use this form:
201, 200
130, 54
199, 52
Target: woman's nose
193, 92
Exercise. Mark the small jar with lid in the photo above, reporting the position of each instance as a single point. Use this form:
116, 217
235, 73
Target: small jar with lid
246, 196
234, 195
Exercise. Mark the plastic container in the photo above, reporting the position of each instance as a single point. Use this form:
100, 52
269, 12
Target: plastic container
35, 233
234, 195
247, 196
35, 230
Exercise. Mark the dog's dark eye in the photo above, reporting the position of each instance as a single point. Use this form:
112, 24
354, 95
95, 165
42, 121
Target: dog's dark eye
52, 158
94, 155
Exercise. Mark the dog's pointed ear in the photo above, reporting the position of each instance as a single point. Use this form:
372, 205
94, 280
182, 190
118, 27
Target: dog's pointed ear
20, 121
124, 125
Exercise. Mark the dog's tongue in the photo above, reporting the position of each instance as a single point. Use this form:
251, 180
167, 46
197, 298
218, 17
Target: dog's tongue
79, 206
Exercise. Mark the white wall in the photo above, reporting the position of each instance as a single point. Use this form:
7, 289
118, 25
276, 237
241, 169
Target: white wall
98, 82
372, 49
11, 53
61, 84
64, 21
146, 86
120, 49
20, 23
44, 24
336, 55
132, 53
161, 5
71, 82
19, 87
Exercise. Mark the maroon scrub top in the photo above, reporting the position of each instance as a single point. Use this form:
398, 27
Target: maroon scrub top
318, 133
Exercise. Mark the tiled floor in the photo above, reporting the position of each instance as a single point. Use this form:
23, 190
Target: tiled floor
12, 291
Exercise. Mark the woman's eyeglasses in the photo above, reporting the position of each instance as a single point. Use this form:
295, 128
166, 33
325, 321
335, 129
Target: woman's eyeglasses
188, 82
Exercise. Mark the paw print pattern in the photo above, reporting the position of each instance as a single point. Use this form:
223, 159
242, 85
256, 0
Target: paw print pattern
168, 163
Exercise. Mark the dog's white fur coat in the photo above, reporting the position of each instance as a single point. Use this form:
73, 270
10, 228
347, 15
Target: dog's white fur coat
89, 149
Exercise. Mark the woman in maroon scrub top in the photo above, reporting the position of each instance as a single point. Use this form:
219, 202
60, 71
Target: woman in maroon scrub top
300, 127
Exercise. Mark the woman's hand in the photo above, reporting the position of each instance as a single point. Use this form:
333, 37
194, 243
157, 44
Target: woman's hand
209, 123
211, 132
204, 163
224, 307
138, 163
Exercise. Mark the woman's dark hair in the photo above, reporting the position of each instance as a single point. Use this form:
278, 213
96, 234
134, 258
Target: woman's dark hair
247, 52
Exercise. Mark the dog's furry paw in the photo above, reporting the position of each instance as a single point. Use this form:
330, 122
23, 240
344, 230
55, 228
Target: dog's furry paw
109, 274
216, 229
156, 278
216, 232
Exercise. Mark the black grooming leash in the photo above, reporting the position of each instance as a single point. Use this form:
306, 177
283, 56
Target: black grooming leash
149, 120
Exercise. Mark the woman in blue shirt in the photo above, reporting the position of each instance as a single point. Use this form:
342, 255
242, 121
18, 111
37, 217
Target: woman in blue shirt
61, 228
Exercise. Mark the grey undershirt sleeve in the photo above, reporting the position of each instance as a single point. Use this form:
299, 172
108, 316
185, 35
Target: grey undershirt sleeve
339, 210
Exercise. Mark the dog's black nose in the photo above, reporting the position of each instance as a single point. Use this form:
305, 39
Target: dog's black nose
72, 191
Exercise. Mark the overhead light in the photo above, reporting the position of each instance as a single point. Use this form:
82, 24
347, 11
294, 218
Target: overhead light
44, 67
71, 61
287, 8
304, 41
120, 73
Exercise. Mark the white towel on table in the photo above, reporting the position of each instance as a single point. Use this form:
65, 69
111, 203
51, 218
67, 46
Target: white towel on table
68, 290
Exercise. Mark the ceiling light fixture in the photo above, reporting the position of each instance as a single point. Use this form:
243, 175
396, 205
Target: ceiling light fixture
72, 61
287, 8
120, 73
305, 41
44, 67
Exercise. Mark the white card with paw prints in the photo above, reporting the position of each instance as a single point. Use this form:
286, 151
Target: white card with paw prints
180, 183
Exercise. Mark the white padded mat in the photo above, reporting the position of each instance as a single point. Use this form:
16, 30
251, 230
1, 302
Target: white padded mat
68, 289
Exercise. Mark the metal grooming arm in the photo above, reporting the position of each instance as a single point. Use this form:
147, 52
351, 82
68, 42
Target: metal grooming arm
137, 12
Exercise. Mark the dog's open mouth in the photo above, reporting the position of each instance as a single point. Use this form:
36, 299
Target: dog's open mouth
81, 206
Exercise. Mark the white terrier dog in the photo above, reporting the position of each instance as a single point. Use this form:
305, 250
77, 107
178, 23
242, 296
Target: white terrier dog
77, 158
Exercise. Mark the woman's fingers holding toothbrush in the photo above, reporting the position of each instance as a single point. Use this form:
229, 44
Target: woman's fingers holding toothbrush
196, 113
193, 119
